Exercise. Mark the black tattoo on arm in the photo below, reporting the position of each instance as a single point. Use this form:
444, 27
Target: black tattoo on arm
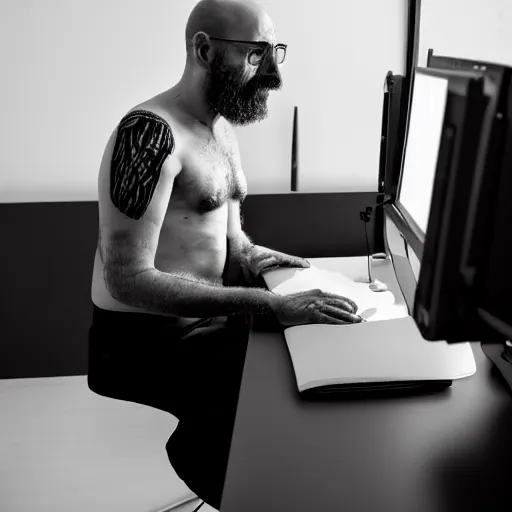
144, 140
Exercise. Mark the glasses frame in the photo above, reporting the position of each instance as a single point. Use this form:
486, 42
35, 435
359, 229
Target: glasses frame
260, 44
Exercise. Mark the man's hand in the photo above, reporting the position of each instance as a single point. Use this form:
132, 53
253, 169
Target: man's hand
315, 307
259, 258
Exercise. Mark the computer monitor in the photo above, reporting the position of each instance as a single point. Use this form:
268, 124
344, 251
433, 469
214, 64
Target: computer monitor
422, 149
447, 140
488, 237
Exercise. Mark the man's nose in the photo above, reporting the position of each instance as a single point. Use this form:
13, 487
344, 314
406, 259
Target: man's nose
269, 67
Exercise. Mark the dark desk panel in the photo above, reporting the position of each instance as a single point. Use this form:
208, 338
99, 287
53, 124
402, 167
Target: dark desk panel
444, 452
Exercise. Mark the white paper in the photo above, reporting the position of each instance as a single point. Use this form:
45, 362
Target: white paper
388, 351
371, 305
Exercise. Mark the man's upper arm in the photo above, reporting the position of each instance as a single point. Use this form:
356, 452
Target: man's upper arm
142, 172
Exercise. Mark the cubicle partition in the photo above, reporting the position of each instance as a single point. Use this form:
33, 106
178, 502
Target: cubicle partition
47, 257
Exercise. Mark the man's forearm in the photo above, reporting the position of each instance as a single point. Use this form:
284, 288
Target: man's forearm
247, 260
241, 245
164, 293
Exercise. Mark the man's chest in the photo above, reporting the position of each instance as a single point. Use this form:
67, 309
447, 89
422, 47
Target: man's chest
211, 174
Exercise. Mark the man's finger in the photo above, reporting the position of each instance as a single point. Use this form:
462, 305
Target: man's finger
298, 262
293, 262
340, 297
257, 267
288, 264
341, 302
340, 314
322, 318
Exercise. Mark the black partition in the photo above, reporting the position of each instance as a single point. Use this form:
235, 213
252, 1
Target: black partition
47, 259
310, 225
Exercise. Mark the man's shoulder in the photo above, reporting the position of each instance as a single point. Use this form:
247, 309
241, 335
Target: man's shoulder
169, 116
166, 115
171, 165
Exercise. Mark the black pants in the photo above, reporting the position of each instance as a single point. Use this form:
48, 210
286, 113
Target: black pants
194, 375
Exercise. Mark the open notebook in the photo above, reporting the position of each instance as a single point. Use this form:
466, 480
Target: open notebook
385, 353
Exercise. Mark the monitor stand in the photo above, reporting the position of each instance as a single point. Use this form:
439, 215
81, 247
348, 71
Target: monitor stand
495, 351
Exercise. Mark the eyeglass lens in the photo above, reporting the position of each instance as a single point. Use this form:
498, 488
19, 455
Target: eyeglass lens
257, 55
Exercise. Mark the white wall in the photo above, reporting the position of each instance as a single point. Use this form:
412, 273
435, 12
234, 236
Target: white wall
470, 29
72, 68
338, 56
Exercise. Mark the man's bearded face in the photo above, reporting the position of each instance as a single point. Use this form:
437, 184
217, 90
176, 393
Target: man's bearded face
231, 95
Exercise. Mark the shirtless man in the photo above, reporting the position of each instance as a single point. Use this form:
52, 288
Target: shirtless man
173, 268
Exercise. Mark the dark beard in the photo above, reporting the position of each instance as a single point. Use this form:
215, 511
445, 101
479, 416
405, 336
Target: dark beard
240, 103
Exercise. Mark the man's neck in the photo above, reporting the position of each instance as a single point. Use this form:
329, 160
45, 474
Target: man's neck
192, 101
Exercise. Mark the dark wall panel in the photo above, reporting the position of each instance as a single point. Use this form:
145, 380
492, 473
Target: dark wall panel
310, 225
46, 260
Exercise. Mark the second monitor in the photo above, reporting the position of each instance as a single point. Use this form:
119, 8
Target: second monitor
447, 137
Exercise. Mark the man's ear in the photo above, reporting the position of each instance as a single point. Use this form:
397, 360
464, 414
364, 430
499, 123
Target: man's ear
202, 49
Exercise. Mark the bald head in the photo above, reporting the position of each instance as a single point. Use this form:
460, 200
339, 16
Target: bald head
231, 19
234, 76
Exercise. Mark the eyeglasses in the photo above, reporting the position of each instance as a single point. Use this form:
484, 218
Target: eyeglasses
256, 55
